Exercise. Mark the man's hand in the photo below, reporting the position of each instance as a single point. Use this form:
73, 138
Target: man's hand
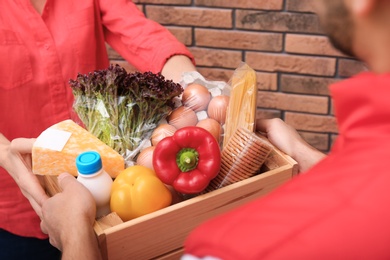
287, 139
68, 214
68, 219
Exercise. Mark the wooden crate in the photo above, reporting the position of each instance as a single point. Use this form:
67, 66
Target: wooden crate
160, 235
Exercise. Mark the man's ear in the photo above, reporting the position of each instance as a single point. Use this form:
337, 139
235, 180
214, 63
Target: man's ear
362, 7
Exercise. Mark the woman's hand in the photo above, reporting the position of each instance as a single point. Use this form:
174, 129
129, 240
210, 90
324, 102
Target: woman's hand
15, 158
287, 139
176, 66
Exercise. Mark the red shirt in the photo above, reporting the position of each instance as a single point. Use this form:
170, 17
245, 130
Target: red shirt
39, 54
339, 209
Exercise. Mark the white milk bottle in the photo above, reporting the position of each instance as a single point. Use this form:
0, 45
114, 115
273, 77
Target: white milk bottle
92, 175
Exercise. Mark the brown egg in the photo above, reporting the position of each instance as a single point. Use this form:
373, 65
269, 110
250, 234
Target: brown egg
161, 132
217, 108
212, 126
196, 96
182, 116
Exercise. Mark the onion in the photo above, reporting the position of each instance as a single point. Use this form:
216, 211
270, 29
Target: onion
162, 131
218, 107
145, 157
182, 116
196, 97
212, 126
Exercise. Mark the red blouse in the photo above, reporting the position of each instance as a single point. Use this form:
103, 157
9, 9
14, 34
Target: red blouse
40, 53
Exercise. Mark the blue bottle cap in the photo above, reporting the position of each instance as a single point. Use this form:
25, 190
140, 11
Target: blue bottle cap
88, 162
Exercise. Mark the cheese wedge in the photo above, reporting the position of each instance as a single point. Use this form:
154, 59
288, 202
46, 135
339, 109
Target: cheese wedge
56, 149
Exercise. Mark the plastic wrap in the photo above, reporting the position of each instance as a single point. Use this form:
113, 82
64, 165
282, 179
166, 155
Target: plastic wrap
241, 158
241, 112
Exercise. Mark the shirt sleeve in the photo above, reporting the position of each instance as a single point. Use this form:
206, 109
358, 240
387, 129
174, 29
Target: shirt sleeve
144, 43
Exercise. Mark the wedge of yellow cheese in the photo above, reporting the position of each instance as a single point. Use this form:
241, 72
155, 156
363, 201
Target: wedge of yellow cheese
56, 149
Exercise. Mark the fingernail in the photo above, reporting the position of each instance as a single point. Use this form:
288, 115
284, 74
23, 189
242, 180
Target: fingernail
62, 176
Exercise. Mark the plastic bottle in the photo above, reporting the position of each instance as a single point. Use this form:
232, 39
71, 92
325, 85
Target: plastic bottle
92, 175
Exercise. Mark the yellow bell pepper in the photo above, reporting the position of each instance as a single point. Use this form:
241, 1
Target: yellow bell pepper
137, 191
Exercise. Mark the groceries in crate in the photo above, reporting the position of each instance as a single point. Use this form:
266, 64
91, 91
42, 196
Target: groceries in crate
154, 142
188, 160
137, 191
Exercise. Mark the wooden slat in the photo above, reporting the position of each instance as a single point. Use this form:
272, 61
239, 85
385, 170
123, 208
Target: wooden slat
175, 255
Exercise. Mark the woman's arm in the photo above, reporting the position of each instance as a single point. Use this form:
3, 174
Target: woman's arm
144, 43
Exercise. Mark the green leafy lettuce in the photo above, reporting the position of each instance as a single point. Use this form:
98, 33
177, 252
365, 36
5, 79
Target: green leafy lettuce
122, 109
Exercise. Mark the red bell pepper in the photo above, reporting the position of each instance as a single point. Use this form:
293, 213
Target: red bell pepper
188, 160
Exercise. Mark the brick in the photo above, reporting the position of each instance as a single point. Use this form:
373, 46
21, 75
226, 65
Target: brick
277, 21
246, 4
317, 140
216, 58
268, 114
310, 44
305, 84
291, 63
267, 81
332, 107
216, 73
290, 102
203, 17
333, 139
301, 5
349, 67
311, 122
242, 40
166, 2
183, 34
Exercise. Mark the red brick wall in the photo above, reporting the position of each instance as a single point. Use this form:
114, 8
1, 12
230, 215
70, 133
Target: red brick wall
280, 39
